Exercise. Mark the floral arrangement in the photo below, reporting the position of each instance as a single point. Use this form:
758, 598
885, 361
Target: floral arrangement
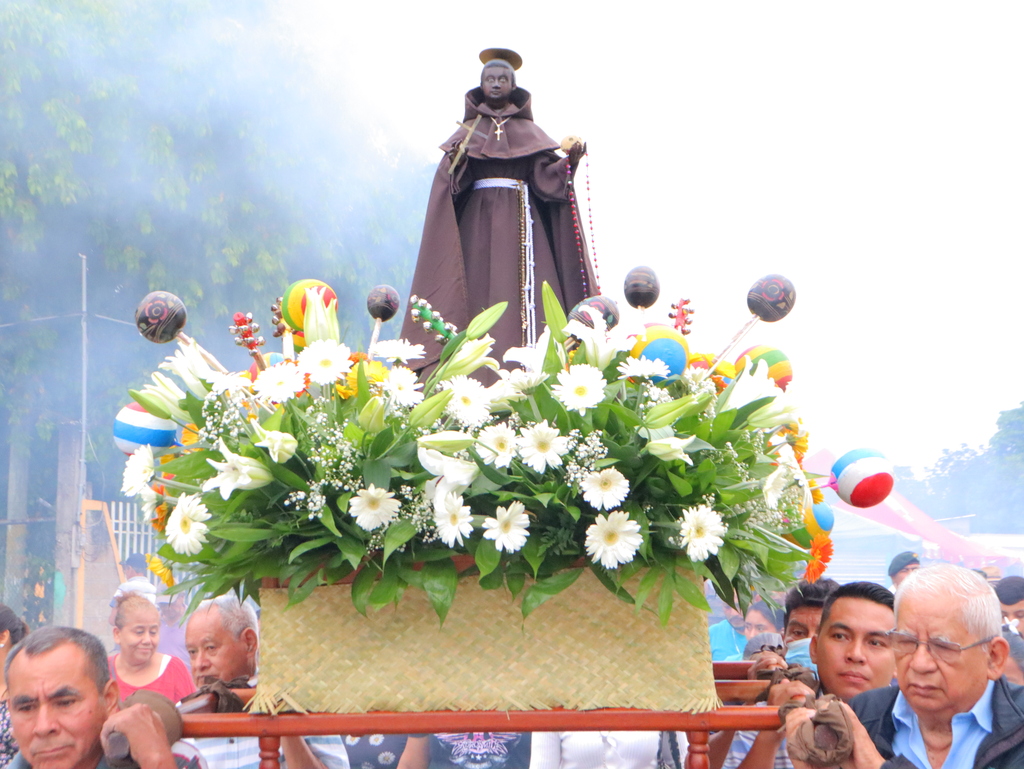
338, 465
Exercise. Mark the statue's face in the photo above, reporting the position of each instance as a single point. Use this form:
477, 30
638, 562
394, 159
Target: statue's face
496, 83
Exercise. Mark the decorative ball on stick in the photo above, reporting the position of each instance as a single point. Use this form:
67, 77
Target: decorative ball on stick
134, 427
862, 477
641, 287
382, 304
664, 343
160, 316
780, 370
596, 307
293, 303
771, 298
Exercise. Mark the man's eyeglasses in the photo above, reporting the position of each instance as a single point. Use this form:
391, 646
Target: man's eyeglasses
943, 651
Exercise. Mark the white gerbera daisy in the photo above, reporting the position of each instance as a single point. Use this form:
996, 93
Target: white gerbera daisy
138, 471
580, 388
470, 403
452, 519
185, 530
498, 445
508, 528
775, 484
228, 383
396, 349
280, 382
642, 368
701, 531
325, 361
605, 489
401, 386
373, 507
541, 446
613, 540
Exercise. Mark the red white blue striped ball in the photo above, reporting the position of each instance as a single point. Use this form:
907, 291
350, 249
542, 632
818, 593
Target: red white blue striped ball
134, 427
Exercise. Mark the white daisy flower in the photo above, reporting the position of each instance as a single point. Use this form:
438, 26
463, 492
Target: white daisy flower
373, 507
498, 445
376, 739
149, 501
350, 740
387, 758
540, 446
325, 361
580, 388
470, 403
185, 530
605, 489
526, 381
280, 382
775, 484
401, 386
613, 540
138, 471
396, 349
452, 519
701, 531
508, 528
642, 368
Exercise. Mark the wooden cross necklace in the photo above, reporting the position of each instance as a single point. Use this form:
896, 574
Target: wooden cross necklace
498, 125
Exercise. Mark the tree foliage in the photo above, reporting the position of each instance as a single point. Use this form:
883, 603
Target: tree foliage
186, 146
986, 483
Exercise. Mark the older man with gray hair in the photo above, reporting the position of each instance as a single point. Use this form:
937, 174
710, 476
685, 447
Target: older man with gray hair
222, 638
953, 708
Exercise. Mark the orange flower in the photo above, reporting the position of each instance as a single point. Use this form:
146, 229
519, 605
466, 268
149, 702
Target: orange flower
159, 521
189, 434
821, 554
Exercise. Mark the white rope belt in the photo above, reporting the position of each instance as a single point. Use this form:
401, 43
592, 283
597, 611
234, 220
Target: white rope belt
527, 277
482, 184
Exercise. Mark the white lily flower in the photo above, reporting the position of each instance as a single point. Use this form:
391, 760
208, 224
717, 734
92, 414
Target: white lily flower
236, 472
772, 415
670, 449
471, 356
448, 441
168, 395
189, 365
532, 357
280, 445
751, 384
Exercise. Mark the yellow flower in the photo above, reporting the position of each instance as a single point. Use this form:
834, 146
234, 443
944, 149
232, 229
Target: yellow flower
376, 373
189, 434
816, 495
161, 569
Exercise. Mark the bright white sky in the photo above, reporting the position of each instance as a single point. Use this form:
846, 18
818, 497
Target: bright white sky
873, 152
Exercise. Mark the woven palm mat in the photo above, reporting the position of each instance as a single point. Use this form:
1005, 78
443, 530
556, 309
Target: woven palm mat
582, 649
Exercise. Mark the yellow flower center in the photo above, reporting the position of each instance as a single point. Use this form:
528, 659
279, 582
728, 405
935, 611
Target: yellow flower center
543, 446
580, 391
611, 537
186, 524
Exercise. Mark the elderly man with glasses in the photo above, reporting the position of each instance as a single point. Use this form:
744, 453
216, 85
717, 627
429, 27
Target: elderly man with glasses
953, 707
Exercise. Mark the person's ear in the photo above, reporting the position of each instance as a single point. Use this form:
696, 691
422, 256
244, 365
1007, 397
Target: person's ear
111, 697
998, 651
812, 649
252, 642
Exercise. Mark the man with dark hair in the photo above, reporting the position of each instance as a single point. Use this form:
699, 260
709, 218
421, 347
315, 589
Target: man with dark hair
803, 604
1010, 592
852, 653
63, 705
902, 566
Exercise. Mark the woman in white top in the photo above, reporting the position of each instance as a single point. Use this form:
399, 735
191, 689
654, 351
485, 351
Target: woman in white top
607, 750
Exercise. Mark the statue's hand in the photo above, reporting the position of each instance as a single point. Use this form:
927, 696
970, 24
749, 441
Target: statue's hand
576, 152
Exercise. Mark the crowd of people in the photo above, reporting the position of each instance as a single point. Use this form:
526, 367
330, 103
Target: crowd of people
927, 674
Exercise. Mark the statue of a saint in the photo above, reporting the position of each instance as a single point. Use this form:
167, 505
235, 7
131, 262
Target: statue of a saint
500, 221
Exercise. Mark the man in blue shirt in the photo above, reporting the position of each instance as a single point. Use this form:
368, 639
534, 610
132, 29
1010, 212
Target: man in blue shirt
953, 707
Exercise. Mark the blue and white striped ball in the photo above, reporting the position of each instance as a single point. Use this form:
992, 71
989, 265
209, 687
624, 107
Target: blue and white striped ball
863, 477
134, 427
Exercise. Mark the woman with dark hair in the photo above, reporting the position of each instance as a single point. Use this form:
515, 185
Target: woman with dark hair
139, 665
12, 630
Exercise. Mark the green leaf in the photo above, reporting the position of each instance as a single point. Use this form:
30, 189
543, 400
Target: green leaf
647, 583
492, 581
364, 394
729, 560
361, 587
690, 592
192, 465
377, 472
243, 533
381, 442
440, 578
386, 589
483, 322
194, 407
515, 582
397, 534
666, 597
533, 551
286, 476
544, 589
745, 411
604, 577
554, 315
311, 544
487, 557
682, 486
427, 412
302, 589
